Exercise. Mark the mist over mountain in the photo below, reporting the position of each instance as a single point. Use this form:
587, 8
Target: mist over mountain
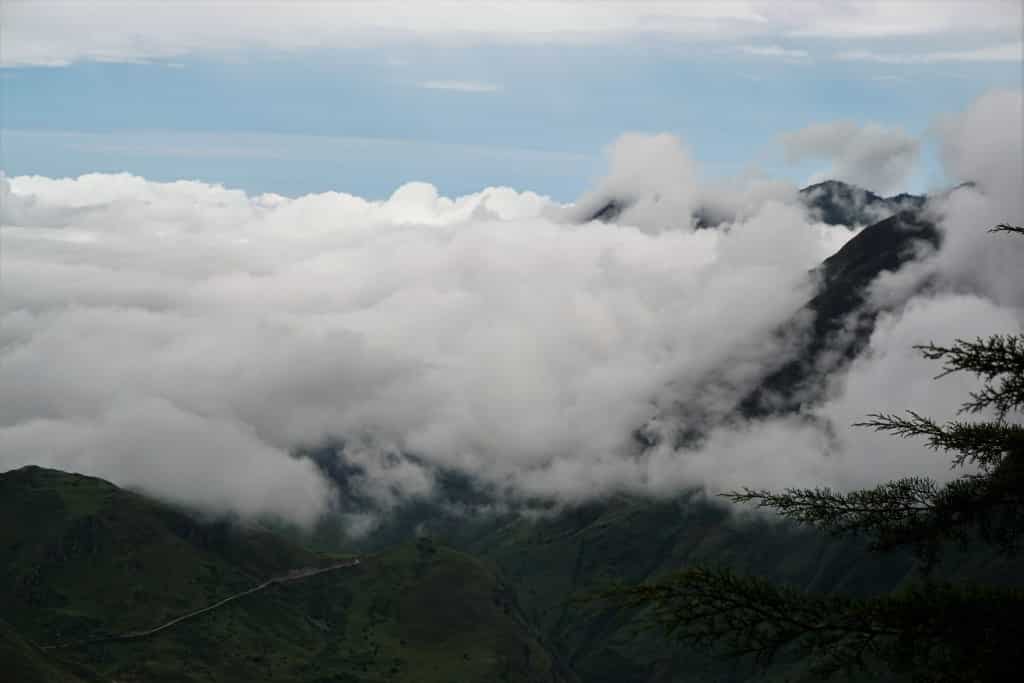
832, 202
500, 335
425, 341
822, 338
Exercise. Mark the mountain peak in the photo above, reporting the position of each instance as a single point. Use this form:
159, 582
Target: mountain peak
839, 203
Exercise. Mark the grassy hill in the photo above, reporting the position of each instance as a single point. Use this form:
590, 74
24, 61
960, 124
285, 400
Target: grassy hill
25, 663
86, 559
628, 539
551, 560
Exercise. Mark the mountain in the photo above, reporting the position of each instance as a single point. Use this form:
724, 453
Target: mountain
840, 324
834, 326
443, 590
579, 549
25, 663
838, 203
500, 606
489, 599
832, 202
86, 562
632, 539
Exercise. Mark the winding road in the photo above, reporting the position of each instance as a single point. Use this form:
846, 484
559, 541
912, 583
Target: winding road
294, 575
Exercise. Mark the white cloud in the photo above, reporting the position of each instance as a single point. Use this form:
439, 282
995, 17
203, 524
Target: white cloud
461, 86
269, 146
1007, 52
874, 19
985, 145
175, 452
42, 32
486, 333
774, 51
975, 287
871, 156
820, 447
182, 337
655, 174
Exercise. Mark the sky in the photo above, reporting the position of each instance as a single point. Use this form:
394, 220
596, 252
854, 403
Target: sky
234, 231
362, 97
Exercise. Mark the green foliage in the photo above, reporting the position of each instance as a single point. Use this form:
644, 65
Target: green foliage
934, 630
91, 560
987, 503
1001, 357
25, 663
555, 562
86, 558
931, 630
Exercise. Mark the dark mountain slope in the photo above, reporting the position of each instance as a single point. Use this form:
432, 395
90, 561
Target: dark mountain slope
838, 203
22, 662
83, 559
634, 539
835, 325
627, 539
840, 324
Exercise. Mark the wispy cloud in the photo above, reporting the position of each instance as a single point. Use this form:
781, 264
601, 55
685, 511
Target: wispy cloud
1006, 52
461, 86
61, 33
275, 146
868, 155
776, 51
888, 78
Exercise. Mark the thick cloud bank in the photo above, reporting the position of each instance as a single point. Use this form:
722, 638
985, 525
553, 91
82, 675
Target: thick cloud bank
185, 338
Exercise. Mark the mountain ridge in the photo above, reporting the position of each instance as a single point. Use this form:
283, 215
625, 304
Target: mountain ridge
93, 561
517, 575
832, 202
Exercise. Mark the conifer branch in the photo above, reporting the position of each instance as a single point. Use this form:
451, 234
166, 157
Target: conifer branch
752, 617
999, 356
1006, 227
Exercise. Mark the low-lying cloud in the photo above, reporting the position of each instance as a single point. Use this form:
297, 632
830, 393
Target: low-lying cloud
186, 338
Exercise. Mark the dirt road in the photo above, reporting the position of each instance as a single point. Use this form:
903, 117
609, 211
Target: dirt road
293, 575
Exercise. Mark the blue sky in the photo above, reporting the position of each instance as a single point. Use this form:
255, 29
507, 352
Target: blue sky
267, 113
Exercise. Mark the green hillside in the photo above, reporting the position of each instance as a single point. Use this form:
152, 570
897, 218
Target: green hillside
24, 663
633, 540
87, 560
630, 539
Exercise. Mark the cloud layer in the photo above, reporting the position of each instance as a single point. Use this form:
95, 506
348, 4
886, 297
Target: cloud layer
490, 333
185, 338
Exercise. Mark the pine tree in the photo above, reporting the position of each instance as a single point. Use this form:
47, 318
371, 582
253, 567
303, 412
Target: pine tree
934, 630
